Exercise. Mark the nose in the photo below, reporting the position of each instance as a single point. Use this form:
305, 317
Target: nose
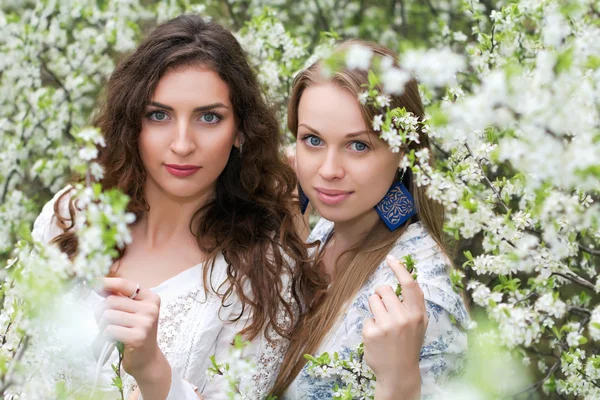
332, 166
183, 143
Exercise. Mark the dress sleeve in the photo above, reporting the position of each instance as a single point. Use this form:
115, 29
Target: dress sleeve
45, 228
443, 353
444, 348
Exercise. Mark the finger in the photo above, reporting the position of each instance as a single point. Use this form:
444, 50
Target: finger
369, 327
113, 302
125, 288
412, 295
378, 308
114, 317
390, 300
117, 333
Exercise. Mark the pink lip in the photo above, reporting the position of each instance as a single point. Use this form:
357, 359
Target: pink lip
332, 197
181, 171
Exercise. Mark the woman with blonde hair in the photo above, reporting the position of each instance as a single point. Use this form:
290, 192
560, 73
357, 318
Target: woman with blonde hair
373, 214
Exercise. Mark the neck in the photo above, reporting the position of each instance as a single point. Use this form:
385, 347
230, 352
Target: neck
348, 234
169, 217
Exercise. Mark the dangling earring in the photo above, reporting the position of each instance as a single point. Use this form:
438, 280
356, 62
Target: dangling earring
397, 207
241, 146
303, 199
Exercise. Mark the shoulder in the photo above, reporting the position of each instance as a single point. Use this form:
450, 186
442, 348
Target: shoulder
45, 227
433, 270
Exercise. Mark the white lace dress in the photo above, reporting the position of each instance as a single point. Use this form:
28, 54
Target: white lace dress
192, 327
445, 345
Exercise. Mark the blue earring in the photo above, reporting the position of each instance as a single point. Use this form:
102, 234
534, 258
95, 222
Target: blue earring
303, 200
397, 207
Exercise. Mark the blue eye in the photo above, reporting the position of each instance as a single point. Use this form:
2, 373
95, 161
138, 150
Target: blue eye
157, 116
210, 118
312, 141
359, 146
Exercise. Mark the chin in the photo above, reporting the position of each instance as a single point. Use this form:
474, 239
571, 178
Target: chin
183, 190
336, 214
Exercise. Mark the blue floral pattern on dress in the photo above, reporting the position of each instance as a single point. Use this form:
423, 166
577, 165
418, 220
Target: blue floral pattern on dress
445, 345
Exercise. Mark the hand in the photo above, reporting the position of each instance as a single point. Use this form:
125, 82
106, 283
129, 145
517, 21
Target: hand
393, 339
133, 322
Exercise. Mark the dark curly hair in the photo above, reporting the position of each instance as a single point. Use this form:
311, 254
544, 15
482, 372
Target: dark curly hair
251, 219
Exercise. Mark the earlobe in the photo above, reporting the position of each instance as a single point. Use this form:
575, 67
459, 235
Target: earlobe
238, 141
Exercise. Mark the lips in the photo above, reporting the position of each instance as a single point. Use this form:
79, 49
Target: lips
181, 171
332, 196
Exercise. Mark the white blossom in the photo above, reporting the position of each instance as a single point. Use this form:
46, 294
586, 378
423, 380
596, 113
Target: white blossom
358, 57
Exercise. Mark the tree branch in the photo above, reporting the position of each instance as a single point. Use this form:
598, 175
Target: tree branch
8, 381
322, 16
233, 16
494, 189
6, 183
575, 279
588, 250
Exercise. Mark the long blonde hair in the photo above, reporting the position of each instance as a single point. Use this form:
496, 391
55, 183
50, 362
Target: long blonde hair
355, 265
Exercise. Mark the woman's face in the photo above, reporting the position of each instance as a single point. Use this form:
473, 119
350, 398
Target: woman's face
342, 168
187, 133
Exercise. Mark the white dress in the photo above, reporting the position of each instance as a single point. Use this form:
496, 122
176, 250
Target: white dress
192, 327
445, 344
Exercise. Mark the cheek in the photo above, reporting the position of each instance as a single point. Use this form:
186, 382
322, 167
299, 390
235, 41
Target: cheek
374, 179
307, 163
221, 139
216, 145
149, 143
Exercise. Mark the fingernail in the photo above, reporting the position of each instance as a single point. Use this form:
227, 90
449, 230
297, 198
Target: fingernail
390, 258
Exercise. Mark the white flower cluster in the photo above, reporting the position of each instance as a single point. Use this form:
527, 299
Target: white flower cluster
39, 277
273, 51
103, 212
355, 379
235, 370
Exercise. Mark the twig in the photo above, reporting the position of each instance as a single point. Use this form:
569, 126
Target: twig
322, 16
534, 386
232, 14
588, 250
576, 279
6, 183
8, 381
580, 310
403, 19
433, 10
494, 189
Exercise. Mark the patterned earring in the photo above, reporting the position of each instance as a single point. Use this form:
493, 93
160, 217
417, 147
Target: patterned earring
303, 200
397, 207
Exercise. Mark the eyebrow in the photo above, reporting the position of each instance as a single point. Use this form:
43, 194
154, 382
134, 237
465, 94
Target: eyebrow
349, 135
203, 108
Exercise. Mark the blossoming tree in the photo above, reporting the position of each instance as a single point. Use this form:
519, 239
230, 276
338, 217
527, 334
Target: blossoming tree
512, 90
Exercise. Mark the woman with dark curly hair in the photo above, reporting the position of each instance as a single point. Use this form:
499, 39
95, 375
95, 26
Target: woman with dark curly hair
190, 139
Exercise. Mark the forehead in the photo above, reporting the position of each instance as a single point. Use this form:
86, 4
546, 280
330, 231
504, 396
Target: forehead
196, 84
330, 110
